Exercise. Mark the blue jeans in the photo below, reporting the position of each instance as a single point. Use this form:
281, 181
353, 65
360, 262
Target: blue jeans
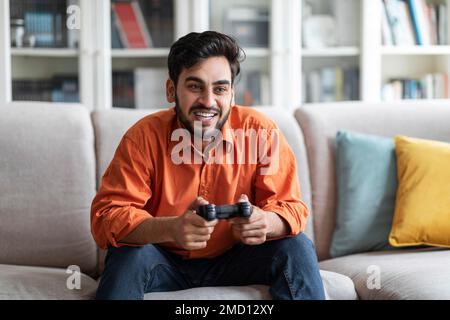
289, 266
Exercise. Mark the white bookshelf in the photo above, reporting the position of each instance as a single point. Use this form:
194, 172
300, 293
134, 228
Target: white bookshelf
140, 53
40, 52
408, 62
284, 60
415, 50
257, 52
331, 52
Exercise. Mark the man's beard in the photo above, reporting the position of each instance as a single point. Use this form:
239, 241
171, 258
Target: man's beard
187, 124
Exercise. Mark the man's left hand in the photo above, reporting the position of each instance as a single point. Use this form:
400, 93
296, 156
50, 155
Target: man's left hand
253, 230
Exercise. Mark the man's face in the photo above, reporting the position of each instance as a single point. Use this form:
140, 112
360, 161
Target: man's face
203, 95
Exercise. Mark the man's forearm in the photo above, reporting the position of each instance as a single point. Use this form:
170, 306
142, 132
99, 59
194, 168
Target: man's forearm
278, 226
152, 230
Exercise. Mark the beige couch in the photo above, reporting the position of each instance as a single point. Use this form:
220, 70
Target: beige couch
52, 158
404, 273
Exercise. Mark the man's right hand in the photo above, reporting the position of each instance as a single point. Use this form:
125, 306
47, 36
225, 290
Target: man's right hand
191, 231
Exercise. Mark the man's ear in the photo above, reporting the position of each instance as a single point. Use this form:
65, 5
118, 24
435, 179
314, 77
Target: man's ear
170, 91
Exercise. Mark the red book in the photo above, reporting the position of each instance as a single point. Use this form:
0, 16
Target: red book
131, 25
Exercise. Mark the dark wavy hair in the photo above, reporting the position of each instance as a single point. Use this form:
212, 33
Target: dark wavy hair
195, 47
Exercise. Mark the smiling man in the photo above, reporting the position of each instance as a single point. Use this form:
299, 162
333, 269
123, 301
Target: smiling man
146, 212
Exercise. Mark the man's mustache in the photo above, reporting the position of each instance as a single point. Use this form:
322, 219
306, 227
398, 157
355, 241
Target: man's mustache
204, 108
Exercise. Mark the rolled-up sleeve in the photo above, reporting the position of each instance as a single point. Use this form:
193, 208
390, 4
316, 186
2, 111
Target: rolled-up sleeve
277, 187
117, 209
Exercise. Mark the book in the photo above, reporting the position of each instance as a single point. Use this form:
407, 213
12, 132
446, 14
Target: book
123, 89
391, 13
59, 88
249, 25
43, 20
159, 17
405, 32
433, 23
328, 79
116, 43
339, 85
254, 87
443, 24
40, 24
65, 88
387, 36
420, 21
430, 86
131, 25
398, 17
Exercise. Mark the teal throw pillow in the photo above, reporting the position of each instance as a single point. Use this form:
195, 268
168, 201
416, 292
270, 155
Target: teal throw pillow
366, 173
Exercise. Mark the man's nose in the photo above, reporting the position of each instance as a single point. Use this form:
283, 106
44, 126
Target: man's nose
207, 98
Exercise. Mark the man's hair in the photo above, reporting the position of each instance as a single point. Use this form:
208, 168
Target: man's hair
195, 47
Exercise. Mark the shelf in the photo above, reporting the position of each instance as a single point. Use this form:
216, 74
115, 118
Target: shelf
140, 53
44, 52
331, 52
257, 52
415, 50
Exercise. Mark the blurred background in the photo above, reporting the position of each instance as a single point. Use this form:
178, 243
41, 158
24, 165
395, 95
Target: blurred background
112, 53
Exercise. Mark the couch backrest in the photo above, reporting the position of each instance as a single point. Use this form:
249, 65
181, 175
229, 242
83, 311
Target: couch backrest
319, 123
47, 182
110, 125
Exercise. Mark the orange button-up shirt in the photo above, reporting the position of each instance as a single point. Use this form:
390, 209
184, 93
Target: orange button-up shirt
143, 181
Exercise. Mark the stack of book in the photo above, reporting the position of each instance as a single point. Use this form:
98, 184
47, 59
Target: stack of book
141, 24
60, 88
123, 89
414, 22
331, 84
253, 88
431, 86
141, 88
44, 23
248, 24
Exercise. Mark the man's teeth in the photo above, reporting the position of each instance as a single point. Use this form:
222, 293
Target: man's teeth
204, 114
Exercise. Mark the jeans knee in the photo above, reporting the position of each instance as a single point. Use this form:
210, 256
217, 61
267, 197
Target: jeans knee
131, 257
297, 245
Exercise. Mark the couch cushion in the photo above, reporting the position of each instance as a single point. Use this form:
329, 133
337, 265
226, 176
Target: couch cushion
255, 292
366, 177
422, 211
320, 122
47, 182
337, 287
35, 283
404, 274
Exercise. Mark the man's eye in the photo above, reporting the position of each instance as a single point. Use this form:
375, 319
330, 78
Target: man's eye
221, 89
194, 86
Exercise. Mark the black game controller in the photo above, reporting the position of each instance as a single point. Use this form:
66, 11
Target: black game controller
210, 211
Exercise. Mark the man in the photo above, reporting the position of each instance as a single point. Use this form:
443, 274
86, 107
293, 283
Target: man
145, 212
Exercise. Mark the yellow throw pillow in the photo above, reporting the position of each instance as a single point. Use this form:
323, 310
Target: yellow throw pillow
422, 208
